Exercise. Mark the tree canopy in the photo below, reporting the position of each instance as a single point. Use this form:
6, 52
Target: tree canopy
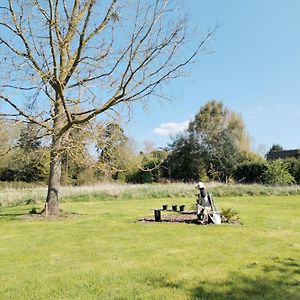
213, 143
67, 63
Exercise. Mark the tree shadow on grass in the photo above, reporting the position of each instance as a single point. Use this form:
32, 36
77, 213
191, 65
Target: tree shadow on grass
279, 280
13, 214
35, 214
18, 213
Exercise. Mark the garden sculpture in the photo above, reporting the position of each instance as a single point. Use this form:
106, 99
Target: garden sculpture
206, 208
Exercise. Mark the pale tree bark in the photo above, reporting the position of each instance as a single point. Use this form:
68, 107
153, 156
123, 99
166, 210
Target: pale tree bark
69, 63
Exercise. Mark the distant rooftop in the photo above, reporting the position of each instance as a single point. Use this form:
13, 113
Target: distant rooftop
284, 154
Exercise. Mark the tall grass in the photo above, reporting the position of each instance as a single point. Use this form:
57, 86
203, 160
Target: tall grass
11, 196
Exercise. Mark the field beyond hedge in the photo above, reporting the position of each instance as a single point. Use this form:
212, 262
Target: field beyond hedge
101, 251
16, 193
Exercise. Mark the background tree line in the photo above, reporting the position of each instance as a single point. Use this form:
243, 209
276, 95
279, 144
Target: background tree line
215, 146
109, 155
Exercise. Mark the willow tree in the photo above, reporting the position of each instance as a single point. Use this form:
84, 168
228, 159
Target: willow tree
65, 63
221, 137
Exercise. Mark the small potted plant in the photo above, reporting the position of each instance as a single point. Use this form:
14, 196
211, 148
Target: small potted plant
182, 207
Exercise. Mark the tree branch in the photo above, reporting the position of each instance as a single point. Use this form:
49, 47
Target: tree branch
23, 114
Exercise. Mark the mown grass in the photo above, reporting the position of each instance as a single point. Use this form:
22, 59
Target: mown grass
18, 195
102, 252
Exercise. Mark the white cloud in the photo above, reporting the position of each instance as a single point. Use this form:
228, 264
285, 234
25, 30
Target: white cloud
171, 128
281, 106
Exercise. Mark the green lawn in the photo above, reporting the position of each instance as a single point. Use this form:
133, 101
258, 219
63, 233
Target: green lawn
104, 253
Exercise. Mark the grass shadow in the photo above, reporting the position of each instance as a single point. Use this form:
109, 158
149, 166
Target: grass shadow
34, 214
13, 216
279, 280
17, 212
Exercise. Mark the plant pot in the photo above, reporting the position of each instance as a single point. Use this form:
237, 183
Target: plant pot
174, 207
165, 206
182, 207
157, 215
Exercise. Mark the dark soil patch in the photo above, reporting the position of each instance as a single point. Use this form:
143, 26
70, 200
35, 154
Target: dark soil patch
190, 218
178, 218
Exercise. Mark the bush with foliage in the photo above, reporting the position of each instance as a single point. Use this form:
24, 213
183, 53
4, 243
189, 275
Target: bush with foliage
250, 172
148, 173
24, 166
230, 215
277, 173
293, 165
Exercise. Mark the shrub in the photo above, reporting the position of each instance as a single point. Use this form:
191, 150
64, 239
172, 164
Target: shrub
24, 166
277, 173
230, 215
149, 173
293, 166
250, 172
29, 171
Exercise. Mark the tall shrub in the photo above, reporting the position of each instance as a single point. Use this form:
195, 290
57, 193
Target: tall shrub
250, 172
293, 165
277, 173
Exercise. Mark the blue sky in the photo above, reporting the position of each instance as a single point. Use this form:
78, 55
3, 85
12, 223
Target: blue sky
254, 69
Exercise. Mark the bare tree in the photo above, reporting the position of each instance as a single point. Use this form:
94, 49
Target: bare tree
70, 62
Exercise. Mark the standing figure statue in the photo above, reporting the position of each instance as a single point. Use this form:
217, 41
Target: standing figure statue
206, 209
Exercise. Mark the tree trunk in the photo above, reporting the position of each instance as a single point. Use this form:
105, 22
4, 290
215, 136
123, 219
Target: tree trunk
52, 201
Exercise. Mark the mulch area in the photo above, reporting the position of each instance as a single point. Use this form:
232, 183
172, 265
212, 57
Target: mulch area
177, 218
189, 218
